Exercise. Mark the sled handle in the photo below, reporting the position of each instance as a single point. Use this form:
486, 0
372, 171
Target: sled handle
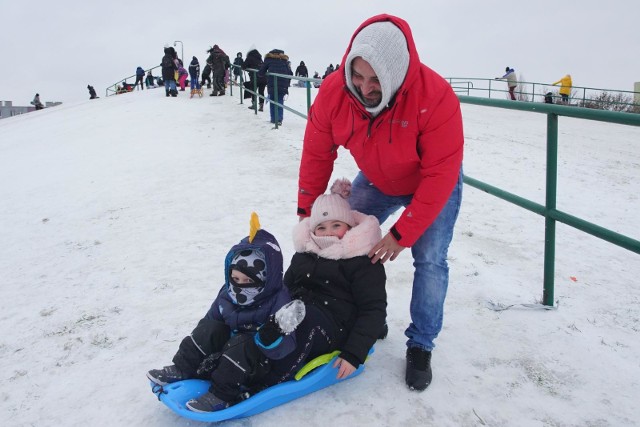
318, 361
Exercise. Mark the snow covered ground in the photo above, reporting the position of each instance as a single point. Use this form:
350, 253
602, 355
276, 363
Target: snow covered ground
116, 214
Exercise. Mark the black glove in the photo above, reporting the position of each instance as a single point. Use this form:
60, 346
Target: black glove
208, 365
269, 332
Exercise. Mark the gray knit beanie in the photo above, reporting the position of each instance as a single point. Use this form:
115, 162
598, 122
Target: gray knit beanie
384, 47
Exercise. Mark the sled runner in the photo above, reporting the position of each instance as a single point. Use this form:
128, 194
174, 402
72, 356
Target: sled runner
315, 375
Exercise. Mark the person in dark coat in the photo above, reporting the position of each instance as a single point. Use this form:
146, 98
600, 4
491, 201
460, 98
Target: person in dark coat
169, 68
276, 62
206, 76
92, 92
219, 63
237, 70
254, 62
194, 75
139, 78
301, 70
221, 347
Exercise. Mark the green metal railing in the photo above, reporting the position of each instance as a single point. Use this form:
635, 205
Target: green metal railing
549, 211
536, 91
254, 90
113, 89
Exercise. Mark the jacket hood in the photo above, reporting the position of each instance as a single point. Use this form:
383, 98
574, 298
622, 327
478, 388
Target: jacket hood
357, 241
413, 68
277, 54
269, 246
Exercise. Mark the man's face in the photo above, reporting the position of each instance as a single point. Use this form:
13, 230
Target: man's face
366, 82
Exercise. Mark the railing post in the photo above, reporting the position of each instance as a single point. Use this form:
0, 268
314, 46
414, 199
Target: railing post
275, 106
550, 205
308, 86
255, 91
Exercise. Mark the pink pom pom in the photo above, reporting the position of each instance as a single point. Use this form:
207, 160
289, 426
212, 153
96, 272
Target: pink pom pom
342, 187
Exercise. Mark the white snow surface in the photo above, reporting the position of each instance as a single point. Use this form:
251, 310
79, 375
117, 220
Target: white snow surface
116, 215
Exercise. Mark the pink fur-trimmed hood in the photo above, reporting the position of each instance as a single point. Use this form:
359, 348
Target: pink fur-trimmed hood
356, 242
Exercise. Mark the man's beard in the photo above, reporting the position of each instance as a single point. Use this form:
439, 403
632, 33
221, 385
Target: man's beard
367, 102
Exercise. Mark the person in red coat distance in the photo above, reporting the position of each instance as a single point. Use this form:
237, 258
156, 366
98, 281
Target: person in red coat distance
402, 124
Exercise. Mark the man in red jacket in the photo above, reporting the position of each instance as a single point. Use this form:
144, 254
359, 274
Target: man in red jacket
402, 124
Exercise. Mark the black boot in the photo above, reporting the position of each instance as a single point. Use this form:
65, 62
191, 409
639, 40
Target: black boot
174, 92
167, 92
418, 375
261, 107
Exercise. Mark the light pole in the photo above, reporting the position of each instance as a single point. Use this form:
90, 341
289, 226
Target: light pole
181, 48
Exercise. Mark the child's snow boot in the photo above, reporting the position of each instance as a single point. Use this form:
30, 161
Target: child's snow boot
167, 375
208, 402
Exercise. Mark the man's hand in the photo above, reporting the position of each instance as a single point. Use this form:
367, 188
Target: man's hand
386, 249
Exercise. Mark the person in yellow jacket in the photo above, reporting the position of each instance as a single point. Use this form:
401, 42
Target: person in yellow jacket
565, 87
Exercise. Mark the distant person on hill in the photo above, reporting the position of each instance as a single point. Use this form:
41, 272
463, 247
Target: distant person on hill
219, 62
328, 71
150, 80
139, 78
512, 81
565, 87
301, 71
206, 76
237, 70
92, 92
36, 102
194, 74
254, 62
276, 62
169, 69
182, 77
548, 98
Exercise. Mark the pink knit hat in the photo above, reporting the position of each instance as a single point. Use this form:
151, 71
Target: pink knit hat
333, 206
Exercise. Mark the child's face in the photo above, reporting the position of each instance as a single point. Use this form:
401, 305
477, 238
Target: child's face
241, 279
331, 228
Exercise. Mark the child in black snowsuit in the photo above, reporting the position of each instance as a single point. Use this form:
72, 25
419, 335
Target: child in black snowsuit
340, 298
217, 348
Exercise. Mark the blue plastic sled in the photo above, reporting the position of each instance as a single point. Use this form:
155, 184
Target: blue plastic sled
314, 376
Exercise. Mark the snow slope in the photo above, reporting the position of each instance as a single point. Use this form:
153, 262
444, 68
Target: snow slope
116, 215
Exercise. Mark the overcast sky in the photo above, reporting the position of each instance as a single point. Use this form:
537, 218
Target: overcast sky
57, 48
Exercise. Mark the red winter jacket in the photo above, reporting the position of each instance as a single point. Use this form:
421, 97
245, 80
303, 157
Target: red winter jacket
413, 147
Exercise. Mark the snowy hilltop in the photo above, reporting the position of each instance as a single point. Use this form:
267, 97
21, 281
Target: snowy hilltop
117, 213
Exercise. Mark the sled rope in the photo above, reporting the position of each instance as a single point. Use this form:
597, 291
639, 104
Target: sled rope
157, 389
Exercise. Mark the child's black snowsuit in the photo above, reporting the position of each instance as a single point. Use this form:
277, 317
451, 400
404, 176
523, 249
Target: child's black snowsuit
344, 294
